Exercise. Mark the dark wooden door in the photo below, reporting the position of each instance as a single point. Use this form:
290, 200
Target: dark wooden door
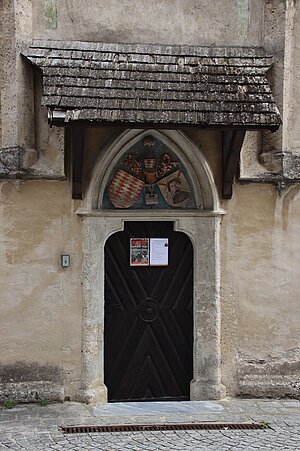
148, 336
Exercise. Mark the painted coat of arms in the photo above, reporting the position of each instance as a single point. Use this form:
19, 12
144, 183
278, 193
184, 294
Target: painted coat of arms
124, 189
149, 176
175, 189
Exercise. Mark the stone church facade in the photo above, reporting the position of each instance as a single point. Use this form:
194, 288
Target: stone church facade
150, 206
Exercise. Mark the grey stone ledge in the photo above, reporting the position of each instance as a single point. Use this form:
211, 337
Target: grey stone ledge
279, 386
33, 391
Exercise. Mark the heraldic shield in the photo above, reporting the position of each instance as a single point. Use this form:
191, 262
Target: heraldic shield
175, 189
124, 189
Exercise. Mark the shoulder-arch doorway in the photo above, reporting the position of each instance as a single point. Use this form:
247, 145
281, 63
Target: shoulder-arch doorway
148, 330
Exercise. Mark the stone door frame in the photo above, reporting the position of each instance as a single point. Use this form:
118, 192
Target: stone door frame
202, 226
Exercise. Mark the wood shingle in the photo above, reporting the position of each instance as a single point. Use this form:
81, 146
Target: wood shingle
156, 84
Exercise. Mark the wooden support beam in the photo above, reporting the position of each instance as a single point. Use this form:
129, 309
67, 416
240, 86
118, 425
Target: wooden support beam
77, 161
232, 142
67, 150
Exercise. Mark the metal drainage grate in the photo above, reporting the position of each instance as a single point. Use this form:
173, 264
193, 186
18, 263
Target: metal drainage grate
161, 427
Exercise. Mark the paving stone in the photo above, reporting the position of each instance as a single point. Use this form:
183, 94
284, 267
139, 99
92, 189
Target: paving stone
36, 428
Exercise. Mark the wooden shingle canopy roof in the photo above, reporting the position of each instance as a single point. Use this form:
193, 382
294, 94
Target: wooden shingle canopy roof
156, 85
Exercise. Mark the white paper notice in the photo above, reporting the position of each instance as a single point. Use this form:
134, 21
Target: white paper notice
159, 251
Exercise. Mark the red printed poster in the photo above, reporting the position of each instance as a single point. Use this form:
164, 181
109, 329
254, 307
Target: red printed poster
139, 251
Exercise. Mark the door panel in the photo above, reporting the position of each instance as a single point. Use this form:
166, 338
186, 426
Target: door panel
148, 336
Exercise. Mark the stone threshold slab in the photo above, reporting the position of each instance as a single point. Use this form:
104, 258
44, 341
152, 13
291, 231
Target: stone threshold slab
157, 408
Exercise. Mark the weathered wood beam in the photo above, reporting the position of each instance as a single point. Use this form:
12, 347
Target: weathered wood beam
67, 150
77, 161
232, 142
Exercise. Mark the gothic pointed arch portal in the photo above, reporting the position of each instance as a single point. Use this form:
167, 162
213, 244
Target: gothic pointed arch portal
198, 217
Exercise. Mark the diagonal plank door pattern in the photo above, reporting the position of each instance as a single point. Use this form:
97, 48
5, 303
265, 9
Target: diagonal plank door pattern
148, 335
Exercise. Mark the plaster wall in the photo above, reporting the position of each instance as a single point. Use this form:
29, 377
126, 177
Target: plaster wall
291, 135
40, 331
260, 292
265, 155
261, 157
200, 22
293, 140
28, 148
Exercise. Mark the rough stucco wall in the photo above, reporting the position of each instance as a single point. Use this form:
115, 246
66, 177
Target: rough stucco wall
291, 134
261, 156
40, 320
16, 27
294, 144
21, 152
279, 152
274, 42
260, 293
209, 142
96, 140
162, 21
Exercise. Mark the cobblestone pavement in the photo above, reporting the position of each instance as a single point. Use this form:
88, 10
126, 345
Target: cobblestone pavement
35, 427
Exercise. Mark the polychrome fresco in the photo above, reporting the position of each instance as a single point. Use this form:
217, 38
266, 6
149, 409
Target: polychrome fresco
149, 176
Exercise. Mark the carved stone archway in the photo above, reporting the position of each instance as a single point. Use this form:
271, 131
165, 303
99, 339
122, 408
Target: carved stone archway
203, 228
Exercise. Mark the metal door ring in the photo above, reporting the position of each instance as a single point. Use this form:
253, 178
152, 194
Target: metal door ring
148, 310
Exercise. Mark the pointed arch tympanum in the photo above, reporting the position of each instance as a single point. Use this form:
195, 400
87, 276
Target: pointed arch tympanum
201, 224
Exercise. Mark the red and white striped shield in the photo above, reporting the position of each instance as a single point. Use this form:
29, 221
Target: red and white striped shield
124, 189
